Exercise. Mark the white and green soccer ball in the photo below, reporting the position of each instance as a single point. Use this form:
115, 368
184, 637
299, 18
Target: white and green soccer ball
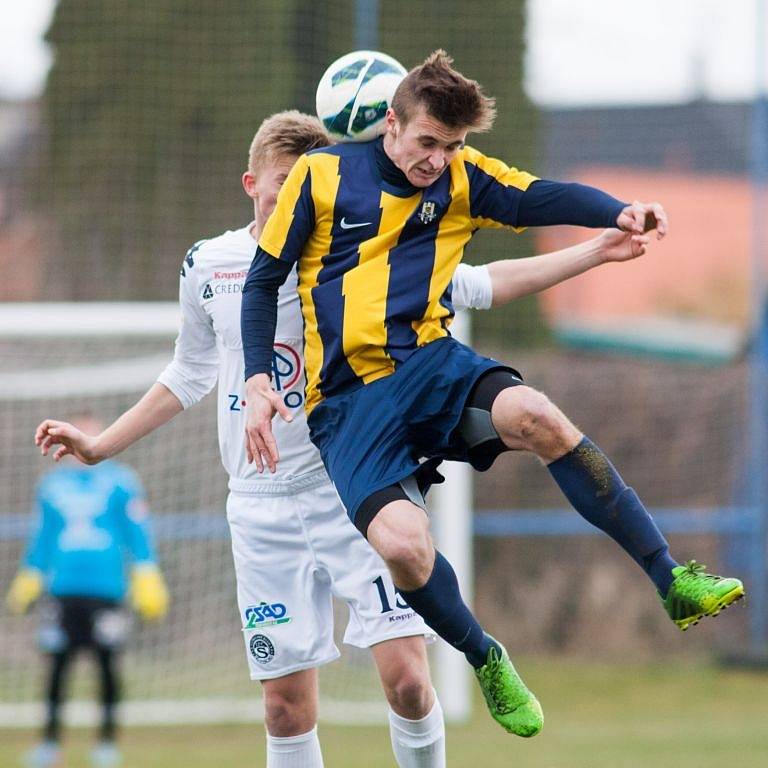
354, 93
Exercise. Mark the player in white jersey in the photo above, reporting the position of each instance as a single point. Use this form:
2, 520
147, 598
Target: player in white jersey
293, 545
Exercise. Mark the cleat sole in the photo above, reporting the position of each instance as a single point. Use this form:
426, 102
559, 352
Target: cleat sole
730, 598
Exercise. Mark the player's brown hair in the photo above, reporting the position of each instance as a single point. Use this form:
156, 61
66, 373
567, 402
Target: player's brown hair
447, 95
285, 133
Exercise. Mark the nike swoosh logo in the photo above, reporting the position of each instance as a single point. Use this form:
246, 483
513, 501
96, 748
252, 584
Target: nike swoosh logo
344, 225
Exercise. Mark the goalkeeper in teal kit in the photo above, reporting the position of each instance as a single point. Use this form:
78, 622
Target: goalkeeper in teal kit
376, 231
92, 523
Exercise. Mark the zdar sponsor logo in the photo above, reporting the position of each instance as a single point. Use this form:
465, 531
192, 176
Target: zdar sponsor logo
265, 615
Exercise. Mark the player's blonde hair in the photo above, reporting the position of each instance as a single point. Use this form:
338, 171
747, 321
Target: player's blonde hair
285, 133
447, 95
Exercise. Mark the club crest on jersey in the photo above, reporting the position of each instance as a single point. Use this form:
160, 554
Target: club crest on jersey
265, 615
427, 213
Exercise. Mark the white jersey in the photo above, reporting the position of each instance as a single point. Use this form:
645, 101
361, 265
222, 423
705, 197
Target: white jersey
209, 346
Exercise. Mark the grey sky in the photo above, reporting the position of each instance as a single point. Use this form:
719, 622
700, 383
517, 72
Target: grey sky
604, 51
24, 58
585, 52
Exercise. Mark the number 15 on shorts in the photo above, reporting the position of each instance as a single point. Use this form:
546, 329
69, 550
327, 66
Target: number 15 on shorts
386, 602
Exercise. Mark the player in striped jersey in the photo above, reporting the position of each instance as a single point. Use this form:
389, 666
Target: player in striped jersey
376, 231
263, 512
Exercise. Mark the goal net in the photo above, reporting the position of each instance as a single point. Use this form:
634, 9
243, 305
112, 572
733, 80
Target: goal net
61, 360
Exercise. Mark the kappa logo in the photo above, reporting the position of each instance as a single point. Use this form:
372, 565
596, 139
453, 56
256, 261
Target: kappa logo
262, 649
265, 615
427, 213
207, 291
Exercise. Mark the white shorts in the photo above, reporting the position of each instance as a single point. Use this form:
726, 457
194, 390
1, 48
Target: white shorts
293, 554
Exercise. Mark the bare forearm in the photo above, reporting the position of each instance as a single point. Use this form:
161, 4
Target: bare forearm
514, 278
158, 406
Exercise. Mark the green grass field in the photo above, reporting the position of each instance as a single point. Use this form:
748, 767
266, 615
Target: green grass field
597, 716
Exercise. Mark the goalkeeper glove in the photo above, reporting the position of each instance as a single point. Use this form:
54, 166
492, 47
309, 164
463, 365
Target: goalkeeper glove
148, 594
25, 588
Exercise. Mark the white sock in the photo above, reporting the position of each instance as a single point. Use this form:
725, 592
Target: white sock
302, 751
419, 743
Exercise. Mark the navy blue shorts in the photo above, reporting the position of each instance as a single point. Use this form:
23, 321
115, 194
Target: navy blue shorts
375, 435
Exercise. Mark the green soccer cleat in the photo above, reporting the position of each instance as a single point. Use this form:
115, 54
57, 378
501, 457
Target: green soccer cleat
511, 704
694, 594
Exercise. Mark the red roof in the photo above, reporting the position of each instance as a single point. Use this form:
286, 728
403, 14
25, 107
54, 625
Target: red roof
700, 270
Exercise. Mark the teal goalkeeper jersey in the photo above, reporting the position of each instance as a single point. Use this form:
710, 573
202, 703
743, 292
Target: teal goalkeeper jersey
91, 522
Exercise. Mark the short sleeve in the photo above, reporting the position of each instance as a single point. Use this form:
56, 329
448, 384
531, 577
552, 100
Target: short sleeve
472, 287
194, 370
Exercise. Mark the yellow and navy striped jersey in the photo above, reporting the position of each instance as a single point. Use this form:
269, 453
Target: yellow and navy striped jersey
375, 262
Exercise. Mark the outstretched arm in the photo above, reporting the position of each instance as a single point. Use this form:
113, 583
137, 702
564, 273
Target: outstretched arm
148, 593
552, 202
514, 278
185, 381
158, 406
29, 582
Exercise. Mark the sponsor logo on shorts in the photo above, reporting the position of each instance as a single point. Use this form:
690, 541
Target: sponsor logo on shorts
262, 649
265, 615
404, 616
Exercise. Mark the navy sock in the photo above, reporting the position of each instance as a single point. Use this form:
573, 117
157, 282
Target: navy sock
597, 492
440, 604
659, 567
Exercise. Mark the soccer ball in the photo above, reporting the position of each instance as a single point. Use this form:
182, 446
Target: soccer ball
354, 93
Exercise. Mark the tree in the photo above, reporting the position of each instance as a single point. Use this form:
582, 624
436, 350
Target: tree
151, 105
150, 108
